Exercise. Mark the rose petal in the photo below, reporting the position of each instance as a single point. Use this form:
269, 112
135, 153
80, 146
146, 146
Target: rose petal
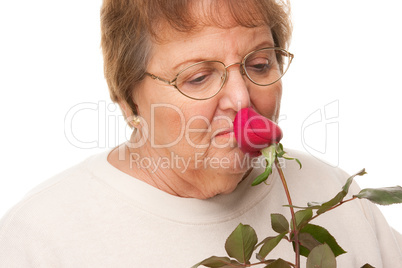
254, 132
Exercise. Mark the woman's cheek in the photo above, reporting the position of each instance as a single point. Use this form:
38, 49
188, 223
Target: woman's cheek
268, 101
167, 125
198, 132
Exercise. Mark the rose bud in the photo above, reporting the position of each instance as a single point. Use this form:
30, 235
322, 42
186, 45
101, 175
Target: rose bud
254, 132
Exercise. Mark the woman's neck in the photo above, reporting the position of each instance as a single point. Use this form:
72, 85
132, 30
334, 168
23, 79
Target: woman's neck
179, 179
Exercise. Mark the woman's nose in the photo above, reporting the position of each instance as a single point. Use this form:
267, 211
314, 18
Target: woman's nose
235, 94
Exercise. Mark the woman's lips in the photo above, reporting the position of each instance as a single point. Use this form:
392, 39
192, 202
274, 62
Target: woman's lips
225, 133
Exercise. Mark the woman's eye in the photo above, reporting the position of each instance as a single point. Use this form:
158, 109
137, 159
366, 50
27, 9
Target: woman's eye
200, 77
258, 65
261, 66
197, 79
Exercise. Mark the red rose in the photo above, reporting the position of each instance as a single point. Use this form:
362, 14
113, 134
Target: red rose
254, 132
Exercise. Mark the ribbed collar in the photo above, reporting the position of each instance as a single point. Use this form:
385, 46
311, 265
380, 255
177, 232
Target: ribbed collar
184, 210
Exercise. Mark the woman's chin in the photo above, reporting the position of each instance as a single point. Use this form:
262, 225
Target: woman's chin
220, 190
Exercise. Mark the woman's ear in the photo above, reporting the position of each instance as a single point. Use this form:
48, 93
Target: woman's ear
125, 108
132, 120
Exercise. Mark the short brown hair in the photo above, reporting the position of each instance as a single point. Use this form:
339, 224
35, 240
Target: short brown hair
129, 26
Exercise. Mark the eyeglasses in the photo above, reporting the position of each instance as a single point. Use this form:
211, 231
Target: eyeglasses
203, 80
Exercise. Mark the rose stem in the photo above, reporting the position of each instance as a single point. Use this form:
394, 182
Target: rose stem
292, 212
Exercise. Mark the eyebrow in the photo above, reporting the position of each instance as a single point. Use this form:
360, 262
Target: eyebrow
178, 67
182, 65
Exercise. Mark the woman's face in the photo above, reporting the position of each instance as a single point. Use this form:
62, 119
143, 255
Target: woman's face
197, 135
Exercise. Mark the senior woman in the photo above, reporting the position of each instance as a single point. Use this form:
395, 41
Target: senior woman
169, 197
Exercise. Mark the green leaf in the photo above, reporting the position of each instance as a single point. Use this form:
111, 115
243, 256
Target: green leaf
279, 263
307, 243
303, 216
367, 266
321, 257
310, 205
298, 162
241, 242
329, 204
324, 237
281, 153
279, 149
270, 156
382, 196
279, 223
264, 176
214, 262
270, 153
287, 157
324, 207
269, 244
350, 180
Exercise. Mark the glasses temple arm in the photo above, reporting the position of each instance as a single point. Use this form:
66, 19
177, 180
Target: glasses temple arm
172, 83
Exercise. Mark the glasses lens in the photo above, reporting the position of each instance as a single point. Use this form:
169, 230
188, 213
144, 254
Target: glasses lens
202, 80
266, 66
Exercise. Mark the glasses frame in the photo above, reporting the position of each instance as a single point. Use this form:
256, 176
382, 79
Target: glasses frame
172, 82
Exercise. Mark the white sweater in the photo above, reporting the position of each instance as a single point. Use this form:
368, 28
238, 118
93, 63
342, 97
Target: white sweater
94, 215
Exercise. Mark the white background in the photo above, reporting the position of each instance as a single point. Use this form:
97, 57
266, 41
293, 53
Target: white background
342, 94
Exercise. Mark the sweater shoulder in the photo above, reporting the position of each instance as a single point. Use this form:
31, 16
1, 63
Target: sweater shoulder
314, 166
47, 197
316, 180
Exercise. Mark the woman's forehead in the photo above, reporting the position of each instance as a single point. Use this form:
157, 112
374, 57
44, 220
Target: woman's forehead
215, 32
209, 43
